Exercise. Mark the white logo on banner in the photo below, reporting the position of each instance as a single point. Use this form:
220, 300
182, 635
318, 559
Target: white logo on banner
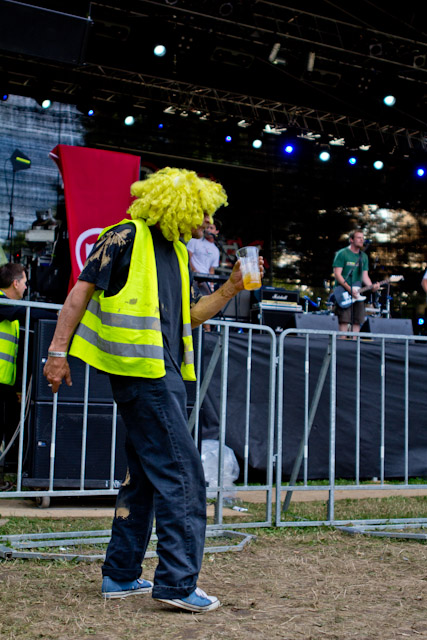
84, 245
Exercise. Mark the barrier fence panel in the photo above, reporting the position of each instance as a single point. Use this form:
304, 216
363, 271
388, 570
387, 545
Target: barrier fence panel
236, 426
72, 443
351, 412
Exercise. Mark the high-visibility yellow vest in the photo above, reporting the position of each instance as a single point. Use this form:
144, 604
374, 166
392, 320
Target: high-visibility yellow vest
9, 338
121, 334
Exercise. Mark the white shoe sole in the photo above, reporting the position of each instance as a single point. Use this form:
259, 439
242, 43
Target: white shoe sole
186, 606
124, 594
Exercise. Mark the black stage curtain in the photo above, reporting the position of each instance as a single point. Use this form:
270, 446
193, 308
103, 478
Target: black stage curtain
293, 405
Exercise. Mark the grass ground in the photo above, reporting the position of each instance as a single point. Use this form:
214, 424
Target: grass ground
310, 583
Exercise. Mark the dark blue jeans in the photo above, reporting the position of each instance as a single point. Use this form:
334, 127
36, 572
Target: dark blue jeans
165, 480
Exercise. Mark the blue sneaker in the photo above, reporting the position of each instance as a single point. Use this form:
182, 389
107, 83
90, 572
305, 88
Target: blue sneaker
197, 601
113, 589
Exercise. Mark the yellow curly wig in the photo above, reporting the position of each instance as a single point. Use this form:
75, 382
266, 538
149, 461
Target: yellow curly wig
177, 199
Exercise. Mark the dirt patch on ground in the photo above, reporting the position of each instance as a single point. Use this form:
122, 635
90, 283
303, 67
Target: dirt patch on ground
309, 584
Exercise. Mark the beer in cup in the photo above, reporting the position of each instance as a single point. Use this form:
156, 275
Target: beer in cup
249, 266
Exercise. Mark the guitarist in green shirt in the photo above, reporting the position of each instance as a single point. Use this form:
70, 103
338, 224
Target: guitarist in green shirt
351, 271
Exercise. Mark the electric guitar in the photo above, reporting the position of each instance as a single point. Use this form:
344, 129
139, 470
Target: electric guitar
344, 299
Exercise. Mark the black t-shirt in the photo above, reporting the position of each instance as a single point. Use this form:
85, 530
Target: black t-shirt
107, 267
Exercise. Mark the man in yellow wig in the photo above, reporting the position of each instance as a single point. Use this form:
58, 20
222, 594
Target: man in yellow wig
131, 317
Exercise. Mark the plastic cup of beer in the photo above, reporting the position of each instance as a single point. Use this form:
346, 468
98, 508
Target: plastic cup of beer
249, 266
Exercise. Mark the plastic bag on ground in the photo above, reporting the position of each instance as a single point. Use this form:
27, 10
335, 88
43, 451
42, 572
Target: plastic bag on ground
210, 452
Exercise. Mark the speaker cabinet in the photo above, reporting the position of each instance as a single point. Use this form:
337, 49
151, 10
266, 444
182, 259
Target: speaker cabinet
99, 382
68, 446
277, 320
316, 321
395, 326
43, 33
238, 308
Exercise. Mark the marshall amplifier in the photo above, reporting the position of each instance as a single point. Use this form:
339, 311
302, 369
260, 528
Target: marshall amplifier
276, 295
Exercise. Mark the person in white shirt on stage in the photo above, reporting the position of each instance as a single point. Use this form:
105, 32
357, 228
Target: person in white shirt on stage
203, 252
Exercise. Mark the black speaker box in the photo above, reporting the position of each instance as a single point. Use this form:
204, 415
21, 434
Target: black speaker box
277, 320
99, 382
316, 321
68, 445
40, 32
396, 326
238, 308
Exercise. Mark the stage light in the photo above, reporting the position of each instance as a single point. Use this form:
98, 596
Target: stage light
352, 160
378, 165
228, 138
85, 108
276, 131
274, 53
45, 104
420, 321
421, 172
19, 161
389, 100
129, 121
160, 125
324, 156
159, 50
257, 144
289, 149
4, 97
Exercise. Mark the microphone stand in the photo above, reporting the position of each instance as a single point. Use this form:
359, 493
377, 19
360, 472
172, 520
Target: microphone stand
11, 219
223, 252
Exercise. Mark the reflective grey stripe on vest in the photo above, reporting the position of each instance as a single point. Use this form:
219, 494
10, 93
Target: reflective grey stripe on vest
123, 321
119, 348
5, 356
186, 331
188, 357
8, 336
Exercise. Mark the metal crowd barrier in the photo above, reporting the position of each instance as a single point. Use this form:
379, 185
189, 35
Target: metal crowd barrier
326, 382
110, 485
276, 482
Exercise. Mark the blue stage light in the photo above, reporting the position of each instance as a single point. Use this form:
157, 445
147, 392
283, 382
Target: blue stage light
352, 160
289, 149
160, 125
421, 172
91, 112
4, 97
378, 165
228, 138
420, 321
257, 144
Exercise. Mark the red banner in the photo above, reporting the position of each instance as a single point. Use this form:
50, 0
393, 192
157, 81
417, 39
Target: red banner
97, 194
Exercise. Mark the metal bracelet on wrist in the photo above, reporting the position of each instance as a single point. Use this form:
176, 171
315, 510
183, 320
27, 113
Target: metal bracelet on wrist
57, 354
